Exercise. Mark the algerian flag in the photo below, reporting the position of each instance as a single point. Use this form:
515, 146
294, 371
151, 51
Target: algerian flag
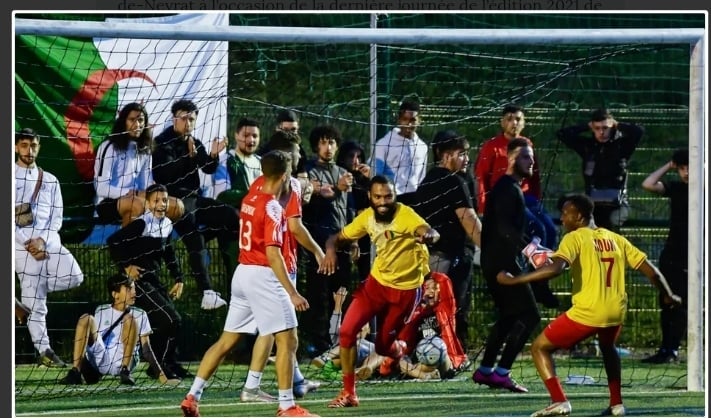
70, 90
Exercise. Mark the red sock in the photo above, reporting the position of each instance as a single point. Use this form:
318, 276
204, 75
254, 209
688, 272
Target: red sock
349, 383
615, 392
555, 390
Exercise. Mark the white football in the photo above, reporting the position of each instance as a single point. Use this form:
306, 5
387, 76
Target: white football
431, 351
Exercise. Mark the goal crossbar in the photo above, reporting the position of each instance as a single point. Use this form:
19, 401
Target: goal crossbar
355, 35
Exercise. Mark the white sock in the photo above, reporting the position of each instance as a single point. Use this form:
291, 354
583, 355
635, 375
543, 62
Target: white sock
254, 379
197, 387
286, 398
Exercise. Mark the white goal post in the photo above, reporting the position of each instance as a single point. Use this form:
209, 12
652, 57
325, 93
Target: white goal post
695, 38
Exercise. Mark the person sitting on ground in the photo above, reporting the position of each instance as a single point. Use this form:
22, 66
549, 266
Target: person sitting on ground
329, 361
108, 342
434, 315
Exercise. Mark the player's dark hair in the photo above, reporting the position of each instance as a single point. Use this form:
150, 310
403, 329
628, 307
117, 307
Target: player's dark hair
516, 143
286, 116
600, 115
26, 133
116, 281
583, 204
409, 105
681, 157
155, 187
448, 140
275, 163
323, 132
511, 108
282, 141
246, 122
184, 105
379, 179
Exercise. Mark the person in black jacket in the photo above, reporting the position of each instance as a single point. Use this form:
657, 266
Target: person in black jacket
177, 157
444, 200
503, 236
139, 250
605, 157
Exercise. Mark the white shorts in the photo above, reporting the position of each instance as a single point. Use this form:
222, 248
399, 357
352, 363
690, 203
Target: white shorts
259, 303
105, 360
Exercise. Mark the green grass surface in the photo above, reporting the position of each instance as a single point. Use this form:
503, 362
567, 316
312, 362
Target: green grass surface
659, 393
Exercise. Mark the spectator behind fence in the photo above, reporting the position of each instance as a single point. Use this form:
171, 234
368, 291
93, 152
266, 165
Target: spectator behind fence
605, 159
122, 169
597, 258
243, 165
325, 215
444, 201
108, 342
176, 160
288, 121
401, 155
138, 249
492, 163
390, 292
264, 298
502, 239
351, 156
673, 261
42, 263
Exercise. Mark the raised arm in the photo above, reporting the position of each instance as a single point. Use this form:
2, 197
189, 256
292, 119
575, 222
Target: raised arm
653, 181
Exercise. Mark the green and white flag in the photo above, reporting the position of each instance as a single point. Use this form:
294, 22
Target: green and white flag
69, 90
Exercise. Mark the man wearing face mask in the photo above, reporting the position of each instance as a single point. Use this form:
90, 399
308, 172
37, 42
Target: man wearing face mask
390, 292
605, 157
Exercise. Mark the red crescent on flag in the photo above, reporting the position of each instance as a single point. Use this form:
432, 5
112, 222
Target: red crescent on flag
80, 110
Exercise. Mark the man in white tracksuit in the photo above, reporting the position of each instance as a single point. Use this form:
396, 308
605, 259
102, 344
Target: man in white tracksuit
42, 264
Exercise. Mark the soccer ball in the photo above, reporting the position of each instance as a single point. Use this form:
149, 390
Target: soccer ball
430, 351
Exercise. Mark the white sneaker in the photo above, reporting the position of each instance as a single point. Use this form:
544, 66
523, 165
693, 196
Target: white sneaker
304, 387
256, 395
557, 409
614, 411
212, 300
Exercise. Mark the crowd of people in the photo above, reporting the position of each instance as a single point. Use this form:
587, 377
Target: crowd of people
398, 235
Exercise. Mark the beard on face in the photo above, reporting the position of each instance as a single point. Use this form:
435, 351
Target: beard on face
386, 217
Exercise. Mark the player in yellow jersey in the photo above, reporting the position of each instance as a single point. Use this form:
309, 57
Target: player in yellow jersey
597, 259
392, 289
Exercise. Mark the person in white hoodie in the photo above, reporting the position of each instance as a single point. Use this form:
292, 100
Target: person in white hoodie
42, 264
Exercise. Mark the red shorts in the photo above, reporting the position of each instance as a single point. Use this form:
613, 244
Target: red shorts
563, 332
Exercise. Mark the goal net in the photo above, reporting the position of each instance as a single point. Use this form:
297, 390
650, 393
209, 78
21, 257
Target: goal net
356, 83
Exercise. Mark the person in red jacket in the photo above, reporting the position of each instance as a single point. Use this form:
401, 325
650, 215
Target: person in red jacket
434, 315
492, 163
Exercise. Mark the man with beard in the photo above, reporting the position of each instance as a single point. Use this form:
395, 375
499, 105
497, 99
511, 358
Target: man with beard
444, 201
502, 239
42, 263
390, 292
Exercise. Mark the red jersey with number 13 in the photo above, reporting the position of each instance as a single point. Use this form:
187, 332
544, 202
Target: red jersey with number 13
292, 209
261, 224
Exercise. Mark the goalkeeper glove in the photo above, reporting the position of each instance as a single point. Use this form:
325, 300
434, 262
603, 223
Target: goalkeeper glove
537, 254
